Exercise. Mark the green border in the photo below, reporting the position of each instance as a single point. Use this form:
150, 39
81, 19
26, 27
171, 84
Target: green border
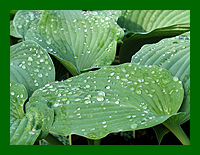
99, 5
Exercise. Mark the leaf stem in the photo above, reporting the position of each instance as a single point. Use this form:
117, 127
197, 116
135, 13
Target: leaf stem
52, 140
176, 129
94, 141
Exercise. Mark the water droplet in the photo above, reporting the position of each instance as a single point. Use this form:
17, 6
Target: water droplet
112, 73
128, 116
107, 87
105, 126
138, 91
100, 98
31, 133
134, 126
77, 99
39, 74
12, 93
175, 78
24, 67
104, 122
101, 93
116, 102
87, 86
30, 59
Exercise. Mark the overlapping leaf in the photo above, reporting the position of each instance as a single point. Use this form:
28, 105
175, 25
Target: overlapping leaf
79, 40
13, 31
24, 19
144, 21
30, 65
26, 128
112, 99
150, 26
172, 54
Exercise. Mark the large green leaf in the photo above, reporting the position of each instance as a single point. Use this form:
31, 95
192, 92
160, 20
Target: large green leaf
24, 19
150, 26
144, 21
112, 99
30, 65
26, 128
172, 54
79, 40
13, 31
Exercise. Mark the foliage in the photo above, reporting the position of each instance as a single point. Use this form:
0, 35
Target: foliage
98, 98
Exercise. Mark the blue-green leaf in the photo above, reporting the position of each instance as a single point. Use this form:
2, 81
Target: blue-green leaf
30, 65
79, 40
26, 128
112, 99
25, 19
172, 54
150, 26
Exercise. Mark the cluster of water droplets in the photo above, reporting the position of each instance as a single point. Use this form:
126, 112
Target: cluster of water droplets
34, 62
26, 19
122, 92
85, 34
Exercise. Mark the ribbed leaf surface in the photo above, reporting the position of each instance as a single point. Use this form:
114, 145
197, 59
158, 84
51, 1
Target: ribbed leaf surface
13, 31
24, 19
112, 99
30, 65
144, 21
26, 128
79, 40
150, 26
174, 55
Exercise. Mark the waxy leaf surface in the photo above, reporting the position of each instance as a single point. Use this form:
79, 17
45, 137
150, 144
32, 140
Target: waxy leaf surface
115, 98
79, 40
150, 26
172, 54
26, 128
25, 19
30, 65
144, 21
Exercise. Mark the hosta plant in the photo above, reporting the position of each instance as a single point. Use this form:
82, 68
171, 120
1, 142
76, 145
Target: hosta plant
65, 80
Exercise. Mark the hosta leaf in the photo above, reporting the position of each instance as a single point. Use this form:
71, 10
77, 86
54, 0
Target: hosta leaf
24, 19
144, 21
150, 26
26, 128
79, 40
18, 95
13, 31
172, 54
112, 99
45, 114
30, 65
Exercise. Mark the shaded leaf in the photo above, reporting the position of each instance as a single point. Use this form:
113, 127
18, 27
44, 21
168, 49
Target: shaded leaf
79, 40
18, 95
150, 26
30, 65
112, 99
26, 128
172, 54
144, 21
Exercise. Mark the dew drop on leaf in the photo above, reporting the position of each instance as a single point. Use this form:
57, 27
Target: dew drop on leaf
100, 98
134, 126
175, 78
